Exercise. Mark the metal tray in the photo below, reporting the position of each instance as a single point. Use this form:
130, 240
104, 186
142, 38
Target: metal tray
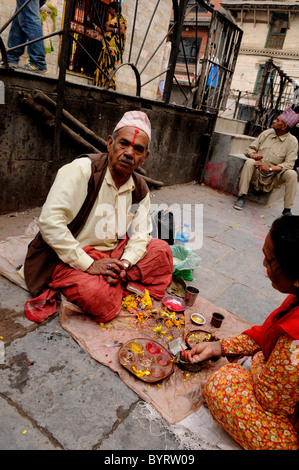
146, 359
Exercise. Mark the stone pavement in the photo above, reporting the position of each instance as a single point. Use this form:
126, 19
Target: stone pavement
55, 396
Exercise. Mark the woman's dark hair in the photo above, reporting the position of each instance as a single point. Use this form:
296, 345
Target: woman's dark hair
285, 236
116, 6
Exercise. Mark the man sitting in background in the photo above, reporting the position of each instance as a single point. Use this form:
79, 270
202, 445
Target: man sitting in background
270, 163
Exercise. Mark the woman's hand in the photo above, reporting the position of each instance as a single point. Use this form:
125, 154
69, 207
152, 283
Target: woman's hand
202, 352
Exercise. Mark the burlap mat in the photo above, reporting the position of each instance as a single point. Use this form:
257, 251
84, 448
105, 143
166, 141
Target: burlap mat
178, 395
178, 398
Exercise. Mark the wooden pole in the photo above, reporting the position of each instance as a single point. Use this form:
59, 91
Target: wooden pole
40, 97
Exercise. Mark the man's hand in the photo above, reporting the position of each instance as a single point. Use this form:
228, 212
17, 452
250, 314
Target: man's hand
256, 156
266, 168
263, 167
112, 269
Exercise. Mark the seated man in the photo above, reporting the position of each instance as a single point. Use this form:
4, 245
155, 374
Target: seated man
94, 231
271, 159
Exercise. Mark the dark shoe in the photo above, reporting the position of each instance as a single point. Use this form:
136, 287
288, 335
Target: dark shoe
239, 204
32, 68
287, 212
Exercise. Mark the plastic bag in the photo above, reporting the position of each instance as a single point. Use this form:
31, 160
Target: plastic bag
184, 260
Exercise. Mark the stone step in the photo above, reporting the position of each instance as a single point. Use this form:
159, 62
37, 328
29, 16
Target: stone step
231, 126
240, 143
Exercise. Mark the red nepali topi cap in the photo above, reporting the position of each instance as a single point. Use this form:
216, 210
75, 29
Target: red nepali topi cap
289, 117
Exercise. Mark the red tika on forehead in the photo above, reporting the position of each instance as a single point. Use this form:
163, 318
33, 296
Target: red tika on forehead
135, 135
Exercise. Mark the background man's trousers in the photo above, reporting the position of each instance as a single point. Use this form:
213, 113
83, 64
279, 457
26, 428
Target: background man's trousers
250, 174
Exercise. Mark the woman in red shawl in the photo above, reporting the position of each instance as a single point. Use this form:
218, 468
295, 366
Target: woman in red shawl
259, 408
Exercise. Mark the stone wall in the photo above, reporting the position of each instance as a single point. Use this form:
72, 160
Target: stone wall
158, 29
178, 150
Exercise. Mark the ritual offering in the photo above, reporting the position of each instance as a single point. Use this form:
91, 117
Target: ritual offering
176, 346
146, 359
177, 287
196, 367
134, 302
173, 303
192, 339
199, 336
198, 319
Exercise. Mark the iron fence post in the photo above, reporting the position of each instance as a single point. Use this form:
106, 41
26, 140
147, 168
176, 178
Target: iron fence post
179, 16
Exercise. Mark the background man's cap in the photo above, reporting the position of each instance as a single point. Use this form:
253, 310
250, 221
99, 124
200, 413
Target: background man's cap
289, 117
136, 119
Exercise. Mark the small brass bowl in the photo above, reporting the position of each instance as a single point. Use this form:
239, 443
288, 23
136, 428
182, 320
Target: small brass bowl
198, 319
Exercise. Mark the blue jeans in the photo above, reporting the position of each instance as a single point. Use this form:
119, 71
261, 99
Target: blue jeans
26, 27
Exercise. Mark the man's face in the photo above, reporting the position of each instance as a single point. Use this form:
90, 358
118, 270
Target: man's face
128, 151
278, 125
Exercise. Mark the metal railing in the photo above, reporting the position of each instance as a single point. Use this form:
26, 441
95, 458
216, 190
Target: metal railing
209, 79
207, 93
276, 92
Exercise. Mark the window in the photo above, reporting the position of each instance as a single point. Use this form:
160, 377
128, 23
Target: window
277, 32
190, 50
84, 14
259, 80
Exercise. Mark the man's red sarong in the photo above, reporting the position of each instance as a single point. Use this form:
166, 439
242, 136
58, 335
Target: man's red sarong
97, 297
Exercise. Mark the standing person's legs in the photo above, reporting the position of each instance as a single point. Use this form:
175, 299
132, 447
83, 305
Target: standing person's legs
30, 22
16, 36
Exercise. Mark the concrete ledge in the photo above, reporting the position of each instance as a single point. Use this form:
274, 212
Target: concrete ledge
227, 125
227, 159
222, 172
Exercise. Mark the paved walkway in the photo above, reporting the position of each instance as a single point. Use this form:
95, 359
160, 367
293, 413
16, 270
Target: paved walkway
54, 396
